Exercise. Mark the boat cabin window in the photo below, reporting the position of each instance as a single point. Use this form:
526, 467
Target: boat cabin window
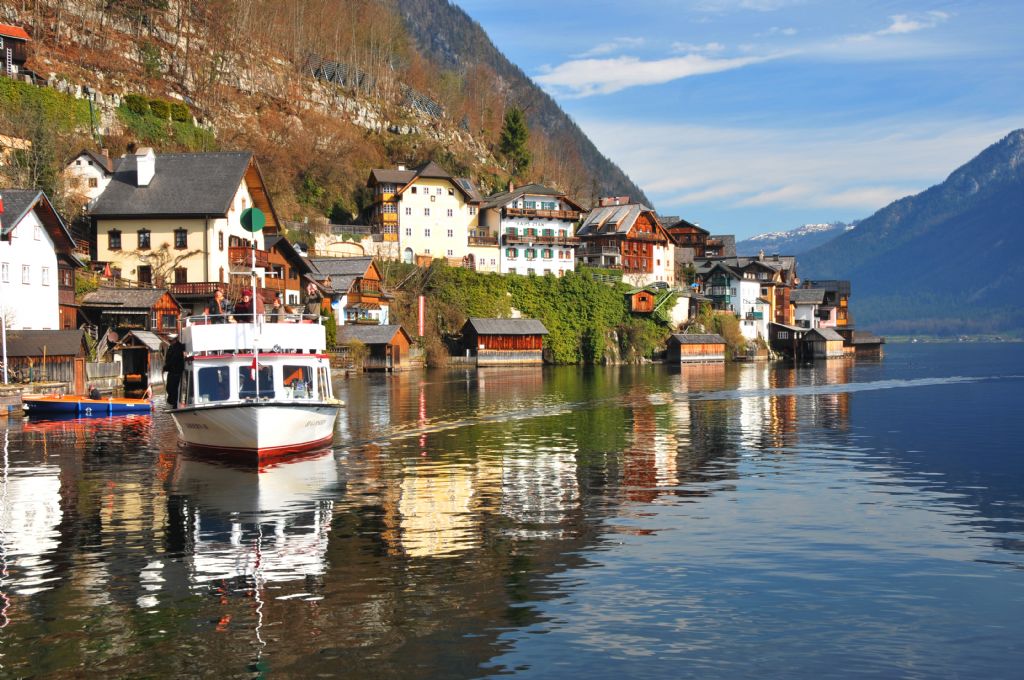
247, 382
298, 381
214, 383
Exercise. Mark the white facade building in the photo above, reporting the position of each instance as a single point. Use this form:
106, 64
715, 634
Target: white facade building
34, 240
534, 226
422, 214
88, 174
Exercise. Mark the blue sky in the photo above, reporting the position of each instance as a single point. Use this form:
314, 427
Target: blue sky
748, 116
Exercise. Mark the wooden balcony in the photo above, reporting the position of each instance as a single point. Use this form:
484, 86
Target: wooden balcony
544, 240
483, 240
644, 236
549, 214
367, 287
242, 256
197, 289
590, 249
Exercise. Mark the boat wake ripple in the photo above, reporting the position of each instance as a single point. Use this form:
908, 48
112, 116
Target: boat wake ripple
801, 390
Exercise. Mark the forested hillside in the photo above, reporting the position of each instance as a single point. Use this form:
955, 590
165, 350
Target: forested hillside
449, 37
321, 90
946, 261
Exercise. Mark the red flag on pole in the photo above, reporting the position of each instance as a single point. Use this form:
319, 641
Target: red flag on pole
421, 306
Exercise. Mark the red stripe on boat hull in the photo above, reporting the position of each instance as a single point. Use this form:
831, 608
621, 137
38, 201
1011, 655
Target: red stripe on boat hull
264, 453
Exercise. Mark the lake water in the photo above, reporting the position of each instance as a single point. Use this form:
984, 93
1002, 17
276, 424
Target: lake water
847, 519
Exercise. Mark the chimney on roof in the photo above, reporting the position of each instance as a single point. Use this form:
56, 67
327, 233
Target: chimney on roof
760, 255
401, 166
511, 187
105, 153
606, 201
145, 166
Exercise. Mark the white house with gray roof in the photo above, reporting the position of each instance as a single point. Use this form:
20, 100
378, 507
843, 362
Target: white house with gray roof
180, 212
37, 263
422, 214
529, 230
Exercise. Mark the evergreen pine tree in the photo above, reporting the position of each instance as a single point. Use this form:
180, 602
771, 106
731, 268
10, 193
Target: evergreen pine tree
514, 135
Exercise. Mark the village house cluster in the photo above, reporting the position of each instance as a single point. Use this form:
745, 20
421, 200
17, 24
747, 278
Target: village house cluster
166, 232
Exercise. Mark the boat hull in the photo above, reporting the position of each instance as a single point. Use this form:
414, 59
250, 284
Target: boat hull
259, 429
69, 405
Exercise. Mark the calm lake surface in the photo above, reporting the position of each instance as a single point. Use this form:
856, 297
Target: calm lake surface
847, 519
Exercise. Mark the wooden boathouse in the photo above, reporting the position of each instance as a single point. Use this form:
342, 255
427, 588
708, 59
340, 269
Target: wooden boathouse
696, 348
387, 344
823, 343
504, 341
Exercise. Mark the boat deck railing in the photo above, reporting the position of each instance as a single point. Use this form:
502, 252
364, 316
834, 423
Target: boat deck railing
207, 319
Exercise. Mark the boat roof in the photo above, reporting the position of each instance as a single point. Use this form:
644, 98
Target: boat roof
303, 337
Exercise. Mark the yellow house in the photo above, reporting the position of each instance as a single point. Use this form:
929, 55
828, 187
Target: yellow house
424, 213
174, 220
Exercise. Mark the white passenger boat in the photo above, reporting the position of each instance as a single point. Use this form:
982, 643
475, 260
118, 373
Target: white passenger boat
258, 389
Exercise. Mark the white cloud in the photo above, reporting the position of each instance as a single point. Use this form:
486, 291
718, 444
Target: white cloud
614, 45
902, 23
689, 48
586, 77
785, 195
857, 169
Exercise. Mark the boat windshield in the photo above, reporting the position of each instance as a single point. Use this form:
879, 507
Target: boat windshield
214, 383
247, 379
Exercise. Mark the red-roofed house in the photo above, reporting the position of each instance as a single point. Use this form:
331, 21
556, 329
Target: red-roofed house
13, 49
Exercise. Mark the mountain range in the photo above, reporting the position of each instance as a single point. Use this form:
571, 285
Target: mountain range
946, 261
794, 241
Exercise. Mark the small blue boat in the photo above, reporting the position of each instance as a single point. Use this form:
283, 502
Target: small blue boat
72, 405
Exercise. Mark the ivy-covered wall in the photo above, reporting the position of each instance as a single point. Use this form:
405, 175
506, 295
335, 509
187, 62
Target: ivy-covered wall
588, 320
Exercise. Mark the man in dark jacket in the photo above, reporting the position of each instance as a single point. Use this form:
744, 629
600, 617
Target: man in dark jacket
174, 366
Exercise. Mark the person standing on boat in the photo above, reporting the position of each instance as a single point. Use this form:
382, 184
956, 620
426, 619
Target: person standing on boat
217, 310
277, 309
174, 366
244, 307
314, 300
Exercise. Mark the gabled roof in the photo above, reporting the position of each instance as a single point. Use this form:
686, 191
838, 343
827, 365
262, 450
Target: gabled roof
280, 243
429, 170
342, 271
711, 266
470, 188
8, 31
698, 338
148, 339
56, 343
184, 184
389, 176
807, 296
123, 298
506, 326
17, 203
679, 223
618, 220
104, 162
369, 334
503, 198
826, 333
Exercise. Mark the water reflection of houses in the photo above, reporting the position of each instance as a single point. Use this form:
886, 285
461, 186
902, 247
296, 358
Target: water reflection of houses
30, 516
250, 524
